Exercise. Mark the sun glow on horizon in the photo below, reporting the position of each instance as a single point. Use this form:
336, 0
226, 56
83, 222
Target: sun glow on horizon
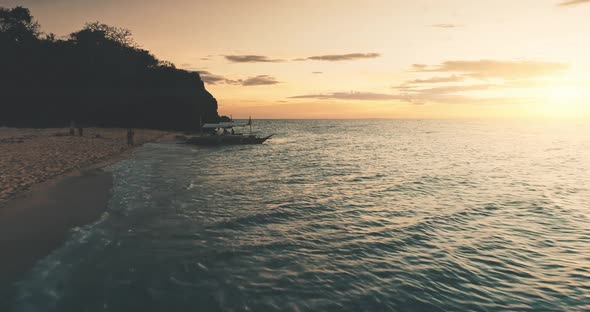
565, 101
398, 59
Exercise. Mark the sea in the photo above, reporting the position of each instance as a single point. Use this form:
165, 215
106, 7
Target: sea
338, 215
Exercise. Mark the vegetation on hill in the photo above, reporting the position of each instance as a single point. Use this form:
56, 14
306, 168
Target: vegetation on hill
97, 76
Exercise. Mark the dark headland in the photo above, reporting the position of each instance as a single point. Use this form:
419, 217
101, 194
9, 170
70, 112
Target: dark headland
95, 76
99, 78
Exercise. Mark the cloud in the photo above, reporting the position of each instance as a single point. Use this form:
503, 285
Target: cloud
210, 78
251, 59
329, 58
359, 96
456, 94
453, 78
409, 94
481, 82
317, 72
573, 2
437, 92
419, 67
444, 26
496, 69
446, 94
260, 80
508, 77
343, 57
452, 89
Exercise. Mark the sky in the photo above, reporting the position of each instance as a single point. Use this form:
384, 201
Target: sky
361, 59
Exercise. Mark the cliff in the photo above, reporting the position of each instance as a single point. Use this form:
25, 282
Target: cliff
98, 76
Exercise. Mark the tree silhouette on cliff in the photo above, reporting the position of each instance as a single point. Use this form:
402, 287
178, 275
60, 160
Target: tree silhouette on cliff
97, 76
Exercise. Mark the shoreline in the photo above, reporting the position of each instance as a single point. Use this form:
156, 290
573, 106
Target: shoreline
37, 219
36, 156
32, 226
97, 164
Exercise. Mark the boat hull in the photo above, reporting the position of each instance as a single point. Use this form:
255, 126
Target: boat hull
212, 140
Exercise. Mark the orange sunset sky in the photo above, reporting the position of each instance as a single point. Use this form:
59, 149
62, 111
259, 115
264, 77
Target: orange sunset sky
362, 59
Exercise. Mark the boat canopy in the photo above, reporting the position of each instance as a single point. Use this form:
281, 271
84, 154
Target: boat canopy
223, 125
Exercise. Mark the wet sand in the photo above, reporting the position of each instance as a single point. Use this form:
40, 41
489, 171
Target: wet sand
51, 183
34, 225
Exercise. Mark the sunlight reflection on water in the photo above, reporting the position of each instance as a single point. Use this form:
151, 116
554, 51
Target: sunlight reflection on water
340, 215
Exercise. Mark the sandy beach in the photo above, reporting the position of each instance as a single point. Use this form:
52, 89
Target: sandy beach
30, 156
51, 182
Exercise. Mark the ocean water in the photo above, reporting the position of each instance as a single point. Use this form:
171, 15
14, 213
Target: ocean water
368, 215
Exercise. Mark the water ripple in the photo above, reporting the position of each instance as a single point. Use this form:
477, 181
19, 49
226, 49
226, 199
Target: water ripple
339, 216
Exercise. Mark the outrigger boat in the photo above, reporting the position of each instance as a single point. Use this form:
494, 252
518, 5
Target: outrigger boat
223, 133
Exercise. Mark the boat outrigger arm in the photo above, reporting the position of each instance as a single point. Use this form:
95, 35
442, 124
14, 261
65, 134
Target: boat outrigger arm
223, 125
226, 138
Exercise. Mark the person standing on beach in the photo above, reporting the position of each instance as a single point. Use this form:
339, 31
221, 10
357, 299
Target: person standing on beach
72, 126
130, 135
